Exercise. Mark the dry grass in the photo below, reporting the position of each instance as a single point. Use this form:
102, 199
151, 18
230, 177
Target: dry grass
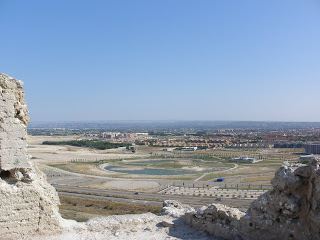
81, 209
86, 168
243, 170
128, 185
257, 179
285, 153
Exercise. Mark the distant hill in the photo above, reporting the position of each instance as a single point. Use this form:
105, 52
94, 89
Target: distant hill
176, 125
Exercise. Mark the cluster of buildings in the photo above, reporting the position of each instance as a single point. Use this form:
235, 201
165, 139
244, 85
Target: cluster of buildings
289, 145
312, 148
251, 145
229, 138
186, 143
117, 135
237, 138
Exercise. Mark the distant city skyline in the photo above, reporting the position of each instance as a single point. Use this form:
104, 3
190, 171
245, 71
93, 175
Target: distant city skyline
167, 60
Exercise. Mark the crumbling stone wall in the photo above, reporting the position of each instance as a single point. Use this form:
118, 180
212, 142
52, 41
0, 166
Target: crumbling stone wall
291, 210
27, 202
13, 122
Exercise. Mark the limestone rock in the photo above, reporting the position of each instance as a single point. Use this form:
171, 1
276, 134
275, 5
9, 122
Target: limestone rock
13, 123
175, 209
216, 219
28, 203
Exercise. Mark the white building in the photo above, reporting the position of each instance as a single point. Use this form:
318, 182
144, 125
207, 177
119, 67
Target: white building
189, 148
244, 159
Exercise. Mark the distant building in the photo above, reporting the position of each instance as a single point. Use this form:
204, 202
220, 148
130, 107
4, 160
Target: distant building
244, 159
312, 148
168, 149
250, 145
142, 134
129, 135
289, 145
189, 148
109, 135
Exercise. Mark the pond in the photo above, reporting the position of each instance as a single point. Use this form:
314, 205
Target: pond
152, 171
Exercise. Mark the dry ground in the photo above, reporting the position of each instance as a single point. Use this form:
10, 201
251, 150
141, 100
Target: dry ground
63, 157
84, 209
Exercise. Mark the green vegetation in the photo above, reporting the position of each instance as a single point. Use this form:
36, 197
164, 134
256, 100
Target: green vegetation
61, 166
101, 145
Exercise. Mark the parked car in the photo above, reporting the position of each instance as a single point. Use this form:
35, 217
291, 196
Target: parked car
220, 179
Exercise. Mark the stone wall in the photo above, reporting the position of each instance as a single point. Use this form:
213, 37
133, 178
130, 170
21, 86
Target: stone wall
13, 123
28, 207
28, 203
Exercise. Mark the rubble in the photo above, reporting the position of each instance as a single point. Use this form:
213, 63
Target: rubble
175, 209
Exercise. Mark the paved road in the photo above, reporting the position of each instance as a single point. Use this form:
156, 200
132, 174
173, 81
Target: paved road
146, 198
63, 177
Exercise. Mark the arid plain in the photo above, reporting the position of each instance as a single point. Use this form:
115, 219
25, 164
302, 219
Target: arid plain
80, 172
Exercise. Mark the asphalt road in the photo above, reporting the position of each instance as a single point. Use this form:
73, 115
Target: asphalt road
145, 198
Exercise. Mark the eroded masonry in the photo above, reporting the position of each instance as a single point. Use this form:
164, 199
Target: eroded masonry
14, 120
28, 203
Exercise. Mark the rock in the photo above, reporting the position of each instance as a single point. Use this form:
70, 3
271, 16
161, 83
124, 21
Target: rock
166, 223
13, 124
175, 209
28, 203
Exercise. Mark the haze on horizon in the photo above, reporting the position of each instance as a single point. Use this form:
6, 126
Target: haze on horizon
166, 60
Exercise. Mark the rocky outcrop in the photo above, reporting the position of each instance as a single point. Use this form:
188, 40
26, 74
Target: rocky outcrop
291, 210
145, 226
216, 219
175, 209
13, 123
28, 203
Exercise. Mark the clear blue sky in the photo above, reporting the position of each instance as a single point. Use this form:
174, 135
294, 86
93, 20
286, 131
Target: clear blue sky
164, 60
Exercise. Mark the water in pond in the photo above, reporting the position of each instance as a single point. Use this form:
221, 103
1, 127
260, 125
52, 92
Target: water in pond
152, 171
168, 161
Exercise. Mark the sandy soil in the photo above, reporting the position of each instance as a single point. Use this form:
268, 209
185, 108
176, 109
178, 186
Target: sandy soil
51, 154
127, 185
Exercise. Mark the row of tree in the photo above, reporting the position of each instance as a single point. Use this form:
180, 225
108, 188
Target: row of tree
101, 145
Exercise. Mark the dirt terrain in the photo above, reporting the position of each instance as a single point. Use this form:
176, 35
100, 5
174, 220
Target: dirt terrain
84, 167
